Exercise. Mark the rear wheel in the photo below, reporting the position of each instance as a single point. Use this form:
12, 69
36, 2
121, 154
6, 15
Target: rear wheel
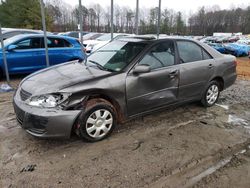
97, 121
211, 94
1, 74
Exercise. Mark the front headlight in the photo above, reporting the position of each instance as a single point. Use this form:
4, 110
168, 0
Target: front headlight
47, 100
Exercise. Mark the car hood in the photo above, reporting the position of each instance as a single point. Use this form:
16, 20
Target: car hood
88, 42
99, 45
59, 77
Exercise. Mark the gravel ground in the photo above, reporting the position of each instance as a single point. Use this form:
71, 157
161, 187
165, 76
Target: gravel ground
188, 146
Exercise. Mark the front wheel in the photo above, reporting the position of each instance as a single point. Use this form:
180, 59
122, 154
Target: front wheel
97, 121
211, 94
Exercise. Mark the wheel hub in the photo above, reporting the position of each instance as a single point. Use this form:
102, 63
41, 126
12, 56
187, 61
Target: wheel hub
99, 122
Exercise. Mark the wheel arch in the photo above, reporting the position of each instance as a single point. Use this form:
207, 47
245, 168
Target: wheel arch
104, 97
74, 59
1, 72
220, 80
112, 101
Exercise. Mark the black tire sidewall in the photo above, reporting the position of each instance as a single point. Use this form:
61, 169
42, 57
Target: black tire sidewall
83, 119
204, 98
1, 74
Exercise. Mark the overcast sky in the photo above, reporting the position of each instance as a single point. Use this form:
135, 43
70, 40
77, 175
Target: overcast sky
178, 5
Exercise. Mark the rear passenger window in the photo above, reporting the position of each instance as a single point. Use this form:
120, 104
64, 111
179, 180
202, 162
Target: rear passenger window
67, 44
206, 55
189, 51
57, 43
161, 55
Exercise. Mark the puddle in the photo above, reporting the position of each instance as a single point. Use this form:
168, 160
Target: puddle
242, 151
210, 170
234, 120
223, 106
214, 168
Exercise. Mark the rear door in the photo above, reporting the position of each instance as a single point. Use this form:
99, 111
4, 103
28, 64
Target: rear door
60, 50
196, 68
158, 87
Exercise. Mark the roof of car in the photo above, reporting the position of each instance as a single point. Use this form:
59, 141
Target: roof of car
17, 29
41, 35
153, 38
150, 38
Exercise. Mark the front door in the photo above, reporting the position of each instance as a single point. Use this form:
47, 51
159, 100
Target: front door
26, 57
159, 87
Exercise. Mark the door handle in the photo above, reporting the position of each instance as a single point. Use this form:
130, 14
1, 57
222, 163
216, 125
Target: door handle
210, 66
173, 73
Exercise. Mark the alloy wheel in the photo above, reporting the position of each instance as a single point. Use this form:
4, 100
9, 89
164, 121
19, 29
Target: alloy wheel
212, 94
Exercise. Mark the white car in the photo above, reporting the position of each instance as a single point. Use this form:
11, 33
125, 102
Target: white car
11, 32
244, 41
93, 45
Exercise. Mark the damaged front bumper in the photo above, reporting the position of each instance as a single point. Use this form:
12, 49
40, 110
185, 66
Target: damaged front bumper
44, 122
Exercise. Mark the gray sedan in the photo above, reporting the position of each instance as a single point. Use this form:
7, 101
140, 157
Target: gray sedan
126, 78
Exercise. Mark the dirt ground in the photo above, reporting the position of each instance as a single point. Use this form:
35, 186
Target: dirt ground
243, 68
187, 146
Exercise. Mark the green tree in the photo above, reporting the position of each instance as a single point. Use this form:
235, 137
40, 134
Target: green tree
152, 20
165, 25
22, 14
180, 25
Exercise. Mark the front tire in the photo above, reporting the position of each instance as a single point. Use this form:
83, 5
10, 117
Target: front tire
97, 121
211, 95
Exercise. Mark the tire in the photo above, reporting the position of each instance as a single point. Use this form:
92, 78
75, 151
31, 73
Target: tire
97, 121
211, 94
1, 74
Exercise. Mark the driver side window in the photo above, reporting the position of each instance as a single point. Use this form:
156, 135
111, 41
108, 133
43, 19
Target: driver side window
30, 43
160, 55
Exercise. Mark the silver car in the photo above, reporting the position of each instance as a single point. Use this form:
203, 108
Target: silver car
126, 78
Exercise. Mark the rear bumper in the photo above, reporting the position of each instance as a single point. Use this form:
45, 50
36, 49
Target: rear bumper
44, 122
229, 80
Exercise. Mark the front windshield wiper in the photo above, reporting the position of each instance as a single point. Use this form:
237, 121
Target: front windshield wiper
97, 64
100, 66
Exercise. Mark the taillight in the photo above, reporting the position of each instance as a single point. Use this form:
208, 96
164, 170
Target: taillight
235, 63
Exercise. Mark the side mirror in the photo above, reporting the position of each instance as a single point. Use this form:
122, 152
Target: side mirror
141, 69
11, 47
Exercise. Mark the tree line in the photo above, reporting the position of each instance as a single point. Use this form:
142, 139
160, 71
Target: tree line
61, 17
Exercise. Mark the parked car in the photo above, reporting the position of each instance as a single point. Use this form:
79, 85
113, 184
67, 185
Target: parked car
244, 41
10, 32
93, 45
125, 79
91, 36
74, 34
237, 49
219, 47
25, 53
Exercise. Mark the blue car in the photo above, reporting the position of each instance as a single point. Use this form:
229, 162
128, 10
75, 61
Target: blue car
26, 53
219, 47
237, 50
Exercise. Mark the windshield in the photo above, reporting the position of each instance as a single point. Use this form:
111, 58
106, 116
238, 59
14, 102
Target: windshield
116, 55
105, 37
10, 40
91, 36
